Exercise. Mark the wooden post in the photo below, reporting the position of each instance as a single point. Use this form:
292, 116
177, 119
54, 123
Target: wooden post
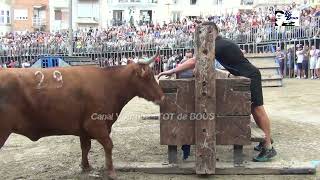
205, 99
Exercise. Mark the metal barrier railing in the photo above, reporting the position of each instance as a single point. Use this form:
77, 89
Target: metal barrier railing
169, 56
252, 35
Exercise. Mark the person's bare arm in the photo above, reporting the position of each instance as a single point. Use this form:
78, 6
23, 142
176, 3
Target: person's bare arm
189, 64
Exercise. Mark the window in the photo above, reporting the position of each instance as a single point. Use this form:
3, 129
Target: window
218, 2
8, 17
21, 14
5, 17
57, 15
193, 2
246, 2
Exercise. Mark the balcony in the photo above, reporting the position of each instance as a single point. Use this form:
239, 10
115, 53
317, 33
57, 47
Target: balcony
38, 22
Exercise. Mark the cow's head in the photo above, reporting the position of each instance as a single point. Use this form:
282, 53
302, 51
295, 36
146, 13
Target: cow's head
145, 83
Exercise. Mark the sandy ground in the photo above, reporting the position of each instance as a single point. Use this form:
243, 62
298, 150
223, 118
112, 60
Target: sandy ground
294, 110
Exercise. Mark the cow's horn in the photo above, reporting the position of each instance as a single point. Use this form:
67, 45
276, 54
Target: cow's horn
152, 59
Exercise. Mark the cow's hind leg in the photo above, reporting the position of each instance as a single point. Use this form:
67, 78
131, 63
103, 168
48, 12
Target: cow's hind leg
100, 131
85, 147
107, 144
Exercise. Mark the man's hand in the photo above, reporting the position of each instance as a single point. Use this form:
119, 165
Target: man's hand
168, 73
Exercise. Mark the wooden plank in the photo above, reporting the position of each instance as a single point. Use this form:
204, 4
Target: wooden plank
174, 83
205, 98
232, 130
272, 83
222, 168
175, 112
223, 74
233, 97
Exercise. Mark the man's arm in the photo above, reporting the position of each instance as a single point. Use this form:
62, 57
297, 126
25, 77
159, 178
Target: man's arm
189, 64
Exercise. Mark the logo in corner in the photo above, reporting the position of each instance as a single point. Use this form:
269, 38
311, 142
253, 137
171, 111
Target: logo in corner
287, 18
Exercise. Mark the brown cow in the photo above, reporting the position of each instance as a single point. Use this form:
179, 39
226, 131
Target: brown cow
80, 101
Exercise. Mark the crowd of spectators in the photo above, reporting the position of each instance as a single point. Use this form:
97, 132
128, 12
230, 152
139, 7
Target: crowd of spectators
255, 25
301, 62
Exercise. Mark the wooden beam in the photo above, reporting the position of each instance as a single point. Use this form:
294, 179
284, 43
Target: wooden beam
222, 168
205, 98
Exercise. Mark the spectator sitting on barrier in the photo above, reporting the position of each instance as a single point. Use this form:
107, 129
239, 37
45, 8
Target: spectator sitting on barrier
300, 56
313, 61
230, 56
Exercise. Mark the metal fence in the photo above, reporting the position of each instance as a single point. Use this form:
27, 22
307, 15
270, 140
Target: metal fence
111, 53
171, 56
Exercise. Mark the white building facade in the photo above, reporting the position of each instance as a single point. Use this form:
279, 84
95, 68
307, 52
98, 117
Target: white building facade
5, 17
104, 13
131, 11
85, 14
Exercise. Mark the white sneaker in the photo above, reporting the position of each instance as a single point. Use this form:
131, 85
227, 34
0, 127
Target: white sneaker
298, 77
312, 77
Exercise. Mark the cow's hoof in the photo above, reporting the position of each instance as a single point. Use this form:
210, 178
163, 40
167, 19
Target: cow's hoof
112, 175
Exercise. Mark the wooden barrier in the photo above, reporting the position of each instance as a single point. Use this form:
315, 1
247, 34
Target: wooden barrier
212, 109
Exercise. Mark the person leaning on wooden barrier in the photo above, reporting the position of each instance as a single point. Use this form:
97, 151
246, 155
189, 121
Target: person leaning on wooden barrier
231, 58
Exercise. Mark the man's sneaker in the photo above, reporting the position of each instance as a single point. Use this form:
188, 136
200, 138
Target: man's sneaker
260, 146
265, 155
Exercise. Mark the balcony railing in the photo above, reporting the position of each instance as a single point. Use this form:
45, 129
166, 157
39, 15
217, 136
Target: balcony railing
38, 22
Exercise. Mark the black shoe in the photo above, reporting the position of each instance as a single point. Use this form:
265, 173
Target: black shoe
260, 145
265, 155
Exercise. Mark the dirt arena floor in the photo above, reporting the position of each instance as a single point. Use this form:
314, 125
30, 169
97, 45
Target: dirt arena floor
294, 110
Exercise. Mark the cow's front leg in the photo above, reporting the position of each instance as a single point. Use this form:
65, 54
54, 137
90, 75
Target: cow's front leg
85, 147
108, 145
